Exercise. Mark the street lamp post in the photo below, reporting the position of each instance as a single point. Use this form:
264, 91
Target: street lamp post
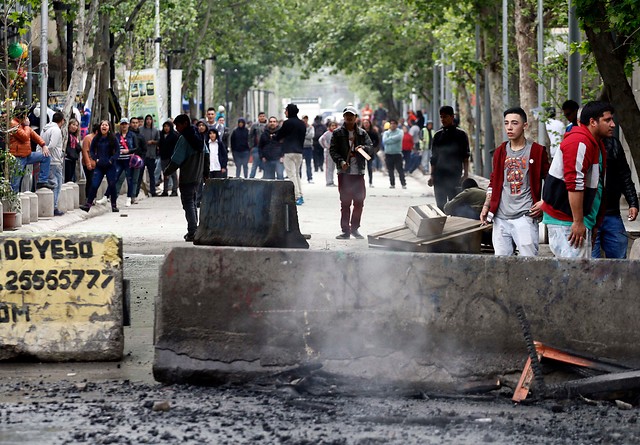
169, 68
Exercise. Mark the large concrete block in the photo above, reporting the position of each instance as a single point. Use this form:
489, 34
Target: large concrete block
249, 213
45, 203
61, 297
230, 314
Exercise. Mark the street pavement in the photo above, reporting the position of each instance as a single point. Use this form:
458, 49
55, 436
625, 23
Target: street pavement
155, 225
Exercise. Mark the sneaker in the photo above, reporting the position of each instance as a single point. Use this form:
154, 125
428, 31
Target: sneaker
370, 186
128, 204
164, 194
404, 187
135, 201
114, 209
356, 234
85, 207
392, 186
57, 212
174, 193
45, 185
102, 200
189, 237
331, 185
310, 181
300, 201
343, 235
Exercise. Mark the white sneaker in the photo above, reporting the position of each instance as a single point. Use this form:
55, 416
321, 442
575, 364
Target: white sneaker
128, 204
102, 200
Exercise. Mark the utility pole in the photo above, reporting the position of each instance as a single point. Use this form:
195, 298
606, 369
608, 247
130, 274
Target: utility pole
477, 155
505, 54
541, 98
575, 81
44, 62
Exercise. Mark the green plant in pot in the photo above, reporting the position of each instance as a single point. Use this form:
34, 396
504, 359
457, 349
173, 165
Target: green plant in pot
11, 167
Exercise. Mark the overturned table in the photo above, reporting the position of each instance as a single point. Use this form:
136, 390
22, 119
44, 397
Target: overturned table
459, 235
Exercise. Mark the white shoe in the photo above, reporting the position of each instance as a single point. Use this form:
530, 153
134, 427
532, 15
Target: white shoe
128, 204
102, 200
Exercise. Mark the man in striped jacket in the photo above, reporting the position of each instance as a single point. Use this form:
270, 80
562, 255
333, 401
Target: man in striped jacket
572, 193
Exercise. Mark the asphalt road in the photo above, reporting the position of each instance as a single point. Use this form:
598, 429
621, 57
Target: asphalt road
119, 402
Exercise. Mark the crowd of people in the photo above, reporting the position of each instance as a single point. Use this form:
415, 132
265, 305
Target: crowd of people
563, 186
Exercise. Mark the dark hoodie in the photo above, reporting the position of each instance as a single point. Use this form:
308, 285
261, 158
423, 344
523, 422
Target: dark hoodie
239, 139
192, 168
167, 142
292, 132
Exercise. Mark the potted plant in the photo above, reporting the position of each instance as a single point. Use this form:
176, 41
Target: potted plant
9, 198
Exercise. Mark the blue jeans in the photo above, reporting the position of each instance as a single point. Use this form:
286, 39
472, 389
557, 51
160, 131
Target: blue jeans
99, 173
272, 170
123, 166
257, 162
56, 175
150, 165
33, 158
611, 237
188, 198
241, 159
307, 154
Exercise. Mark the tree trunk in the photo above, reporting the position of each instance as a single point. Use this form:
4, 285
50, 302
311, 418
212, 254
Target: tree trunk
611, 62
62, 43
525, 24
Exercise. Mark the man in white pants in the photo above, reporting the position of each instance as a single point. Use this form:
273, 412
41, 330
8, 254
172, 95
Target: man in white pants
513, 200
292, 134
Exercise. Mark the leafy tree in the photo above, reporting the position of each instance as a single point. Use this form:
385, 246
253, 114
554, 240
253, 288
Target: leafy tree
612, 29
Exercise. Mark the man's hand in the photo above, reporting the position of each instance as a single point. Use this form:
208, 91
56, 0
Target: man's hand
430, 181
633, 213
45, 151
578, 234
483, 215
344, 166
536, 210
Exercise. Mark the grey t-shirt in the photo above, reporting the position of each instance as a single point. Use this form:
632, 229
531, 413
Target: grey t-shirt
516, 197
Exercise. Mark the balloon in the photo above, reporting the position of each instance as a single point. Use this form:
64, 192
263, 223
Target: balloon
15, 50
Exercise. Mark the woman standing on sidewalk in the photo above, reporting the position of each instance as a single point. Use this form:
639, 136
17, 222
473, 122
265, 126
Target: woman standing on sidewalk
325, 143
104, 150
375, 140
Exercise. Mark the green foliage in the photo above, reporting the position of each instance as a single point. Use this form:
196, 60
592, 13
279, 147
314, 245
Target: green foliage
10, 167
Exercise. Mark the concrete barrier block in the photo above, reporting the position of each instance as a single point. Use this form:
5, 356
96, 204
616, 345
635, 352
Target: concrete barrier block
75, 194
45, 203
33, 204
249, 213
82, 191
231, 314
61, 297
25, 205
634, 252
68, 197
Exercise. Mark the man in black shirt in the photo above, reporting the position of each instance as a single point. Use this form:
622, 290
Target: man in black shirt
449, 158
611, 236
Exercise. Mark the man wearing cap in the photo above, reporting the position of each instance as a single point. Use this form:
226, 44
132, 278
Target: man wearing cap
348, 143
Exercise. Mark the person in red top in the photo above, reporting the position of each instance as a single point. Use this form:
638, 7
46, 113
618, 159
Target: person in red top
20, 137
513, 199
407, 147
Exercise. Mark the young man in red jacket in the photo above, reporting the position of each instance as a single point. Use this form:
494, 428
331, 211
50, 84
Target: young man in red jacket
514, 195
572, 193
